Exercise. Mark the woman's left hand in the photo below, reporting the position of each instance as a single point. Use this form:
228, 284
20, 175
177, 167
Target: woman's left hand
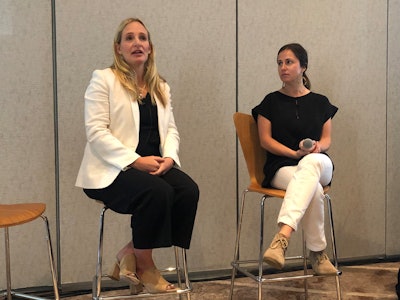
317, 148
165, 166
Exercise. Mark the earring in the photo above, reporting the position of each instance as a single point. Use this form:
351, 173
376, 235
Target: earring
305, 81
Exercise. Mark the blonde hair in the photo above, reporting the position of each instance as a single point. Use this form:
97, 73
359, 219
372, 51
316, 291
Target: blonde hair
127, 76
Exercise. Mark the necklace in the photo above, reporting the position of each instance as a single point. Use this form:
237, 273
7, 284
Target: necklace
141, 92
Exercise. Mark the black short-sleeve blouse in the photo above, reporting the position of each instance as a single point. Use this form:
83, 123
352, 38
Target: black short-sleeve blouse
149, 137
292, 119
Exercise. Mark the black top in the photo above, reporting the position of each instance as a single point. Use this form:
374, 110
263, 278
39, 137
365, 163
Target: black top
292, 119
149, 137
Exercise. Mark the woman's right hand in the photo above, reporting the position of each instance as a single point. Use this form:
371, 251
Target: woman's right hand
300, 153
148, 163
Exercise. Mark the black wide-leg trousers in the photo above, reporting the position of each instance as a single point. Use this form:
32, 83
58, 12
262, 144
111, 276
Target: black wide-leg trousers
163, 208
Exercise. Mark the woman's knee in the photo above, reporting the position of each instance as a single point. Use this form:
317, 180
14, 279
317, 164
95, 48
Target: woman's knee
317, 160
189, 196
185, 187
193, 191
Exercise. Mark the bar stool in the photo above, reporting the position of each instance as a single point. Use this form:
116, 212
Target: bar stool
180, 269
247, 131
17, 214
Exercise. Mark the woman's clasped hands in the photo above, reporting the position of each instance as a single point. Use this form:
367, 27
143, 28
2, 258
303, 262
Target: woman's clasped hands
303, 150
154, 165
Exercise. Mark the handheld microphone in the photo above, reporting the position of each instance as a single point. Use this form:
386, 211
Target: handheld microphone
307, 144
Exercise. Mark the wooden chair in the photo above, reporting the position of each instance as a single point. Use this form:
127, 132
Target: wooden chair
255, 157
15, 215
180, 270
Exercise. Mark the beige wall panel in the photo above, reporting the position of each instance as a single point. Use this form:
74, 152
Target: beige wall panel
393, 127
346, 41
26, 138
196, 54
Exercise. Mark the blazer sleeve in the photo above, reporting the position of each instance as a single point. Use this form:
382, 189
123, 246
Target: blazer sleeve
100, 138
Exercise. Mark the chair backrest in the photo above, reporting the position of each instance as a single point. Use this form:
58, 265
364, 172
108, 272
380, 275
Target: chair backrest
254, 154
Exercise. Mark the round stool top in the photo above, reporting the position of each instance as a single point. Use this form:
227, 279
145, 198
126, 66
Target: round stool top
15, 214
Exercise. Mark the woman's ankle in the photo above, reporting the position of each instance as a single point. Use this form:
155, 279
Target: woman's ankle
144, 260
286, 230
127, 249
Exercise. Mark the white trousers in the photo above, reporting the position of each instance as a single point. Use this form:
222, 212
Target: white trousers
304, 199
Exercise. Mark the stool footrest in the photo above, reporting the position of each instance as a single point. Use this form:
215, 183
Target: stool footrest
143, 295
257, 278
27, 296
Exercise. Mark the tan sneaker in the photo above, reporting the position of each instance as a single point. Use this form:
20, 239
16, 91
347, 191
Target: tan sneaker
275, 254
321, 264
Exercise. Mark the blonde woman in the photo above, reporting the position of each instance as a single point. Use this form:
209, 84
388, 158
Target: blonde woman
131, 160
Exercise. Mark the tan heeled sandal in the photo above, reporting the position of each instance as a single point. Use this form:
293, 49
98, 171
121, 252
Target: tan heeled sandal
126, 269
136, 288
155, 283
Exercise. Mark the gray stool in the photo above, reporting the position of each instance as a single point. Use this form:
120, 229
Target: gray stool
180, 269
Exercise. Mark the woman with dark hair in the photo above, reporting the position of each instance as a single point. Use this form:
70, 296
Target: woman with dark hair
285, 119
131, 160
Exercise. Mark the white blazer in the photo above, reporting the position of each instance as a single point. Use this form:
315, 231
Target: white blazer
112, 130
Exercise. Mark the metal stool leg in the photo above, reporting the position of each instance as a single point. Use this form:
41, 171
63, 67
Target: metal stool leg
182, 268
178, 266
305, 265
178, 269
186, 272
237, 243
261, 249
8, 269
51, 258
96, 289
333, 241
